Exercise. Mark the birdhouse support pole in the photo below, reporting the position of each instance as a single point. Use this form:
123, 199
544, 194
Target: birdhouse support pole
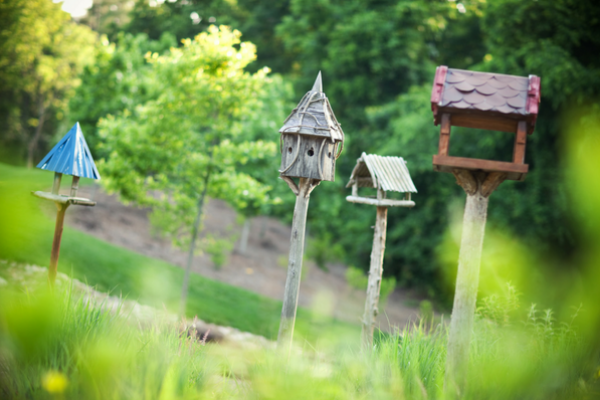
478, 187
58, 230
375, 276
292, 282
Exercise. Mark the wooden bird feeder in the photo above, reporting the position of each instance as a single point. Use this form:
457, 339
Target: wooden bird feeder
70, 156
383, 174
311, 140
486, 101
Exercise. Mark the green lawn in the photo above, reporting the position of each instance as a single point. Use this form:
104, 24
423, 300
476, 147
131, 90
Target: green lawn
26, 236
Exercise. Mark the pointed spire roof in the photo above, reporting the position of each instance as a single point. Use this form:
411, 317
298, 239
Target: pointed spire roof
313, 116
71, 156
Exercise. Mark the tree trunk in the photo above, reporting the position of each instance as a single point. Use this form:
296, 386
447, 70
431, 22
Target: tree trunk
375, 273
478, 187
292, 283
195, 231
36, 137
245, 235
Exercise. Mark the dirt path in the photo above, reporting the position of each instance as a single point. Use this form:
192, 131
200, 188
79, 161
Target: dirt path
261, 269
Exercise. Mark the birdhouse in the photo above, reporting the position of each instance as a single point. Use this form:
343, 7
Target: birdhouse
70, 156
384, 174
486, 101
311, 138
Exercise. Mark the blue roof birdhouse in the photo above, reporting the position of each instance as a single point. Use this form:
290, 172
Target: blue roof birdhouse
71, 156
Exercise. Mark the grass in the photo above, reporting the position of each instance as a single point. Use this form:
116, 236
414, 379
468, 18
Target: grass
26, 234
54, 345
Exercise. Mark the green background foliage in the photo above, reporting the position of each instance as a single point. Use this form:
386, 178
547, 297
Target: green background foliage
378, 59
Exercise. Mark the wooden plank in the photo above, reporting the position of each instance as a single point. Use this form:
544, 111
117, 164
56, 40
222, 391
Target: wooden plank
380, 203
292, 282
57, 198
520, 143
444, 145
476, 119
374, 282
475, 164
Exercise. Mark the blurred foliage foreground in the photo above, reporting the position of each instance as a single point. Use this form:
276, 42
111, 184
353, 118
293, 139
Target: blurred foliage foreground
56, 345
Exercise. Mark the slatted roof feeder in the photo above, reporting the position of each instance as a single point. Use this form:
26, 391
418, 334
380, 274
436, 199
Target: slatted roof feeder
311, 138
486, 101
384, 174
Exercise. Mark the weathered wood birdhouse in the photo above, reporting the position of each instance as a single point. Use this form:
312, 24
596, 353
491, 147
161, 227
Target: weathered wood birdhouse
486, 101
70, 156
311, 138
384, 174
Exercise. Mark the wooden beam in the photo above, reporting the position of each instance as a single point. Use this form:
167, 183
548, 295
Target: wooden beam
292, 282
520, 143
380, 203
374, 282
450, 164
60, 199
444, 145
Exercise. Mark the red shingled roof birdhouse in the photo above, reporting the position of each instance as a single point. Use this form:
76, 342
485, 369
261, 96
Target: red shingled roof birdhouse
486, 101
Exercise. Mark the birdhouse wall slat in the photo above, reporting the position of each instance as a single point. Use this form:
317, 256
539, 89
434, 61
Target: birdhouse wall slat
308, 157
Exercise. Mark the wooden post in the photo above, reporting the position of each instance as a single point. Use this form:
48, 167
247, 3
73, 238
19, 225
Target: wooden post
444, 145
58, 230
478, 187
375, 273
520, 142
292, 282
56, 183
74, 186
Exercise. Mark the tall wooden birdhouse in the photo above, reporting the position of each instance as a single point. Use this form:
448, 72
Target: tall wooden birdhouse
486, 101
70, 156
311, 138
384, 174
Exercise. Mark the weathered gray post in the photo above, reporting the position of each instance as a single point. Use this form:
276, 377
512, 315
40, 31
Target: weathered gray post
486, 101
384, 174
70, 156
311, 141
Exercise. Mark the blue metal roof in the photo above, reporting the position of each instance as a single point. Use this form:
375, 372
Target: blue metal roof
71, 156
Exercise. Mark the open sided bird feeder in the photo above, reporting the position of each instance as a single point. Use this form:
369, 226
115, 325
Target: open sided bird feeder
311, 141
70, 156
383, 174
486, 101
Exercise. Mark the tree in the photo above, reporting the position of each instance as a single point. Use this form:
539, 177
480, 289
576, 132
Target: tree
41, 54
188, 143
119, 77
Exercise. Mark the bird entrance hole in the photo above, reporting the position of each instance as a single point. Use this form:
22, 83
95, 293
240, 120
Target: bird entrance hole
311, 152
329, 154
290, 150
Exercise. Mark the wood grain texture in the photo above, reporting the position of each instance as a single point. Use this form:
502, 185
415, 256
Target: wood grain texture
292, 282
450, 164
467, 282
60, 199
375, 274
308, 157
380, 203
520, 143
444, 145
58, 230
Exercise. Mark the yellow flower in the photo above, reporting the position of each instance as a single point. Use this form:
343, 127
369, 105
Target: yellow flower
54, 382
